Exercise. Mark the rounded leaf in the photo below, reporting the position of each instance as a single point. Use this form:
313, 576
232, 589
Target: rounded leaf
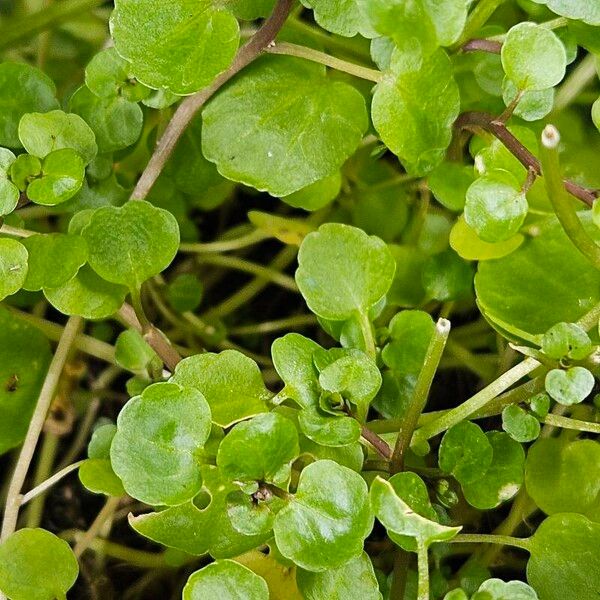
521, 426
571, 386
13, 266
566, 340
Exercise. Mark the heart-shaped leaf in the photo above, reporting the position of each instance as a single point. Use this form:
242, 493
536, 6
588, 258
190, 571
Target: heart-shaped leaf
521, 426
571, 386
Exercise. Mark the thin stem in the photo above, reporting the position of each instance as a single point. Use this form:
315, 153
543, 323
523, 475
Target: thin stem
476, 402
491, 124
17, 30
563, 207
103, 516
485, 538
367, 333
191, 105
379, 444
420, 394
477, 19
46, 485
423, 569
13, 500
325, 59
16, 231
138, 307
583, 74
290, 323
240, 264
254, 237
483, 45
575, 424
47, 456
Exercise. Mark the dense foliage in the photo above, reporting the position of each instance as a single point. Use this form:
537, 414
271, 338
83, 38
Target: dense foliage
300, 300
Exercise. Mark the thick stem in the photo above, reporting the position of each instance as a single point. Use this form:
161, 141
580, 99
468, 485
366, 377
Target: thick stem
484, 538
423, 569
14, 498
378, 443
574, 424
421, 393
191, 105
325, 59
563, 207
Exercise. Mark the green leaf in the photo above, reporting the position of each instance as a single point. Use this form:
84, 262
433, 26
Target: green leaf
528, 289
466, 452
448, 17
42, 134
23, 89
198, 40
496, 206
13, 266
266, 128
446, 276
115, 121
354, 580
261, 449
249, 10
87, 295
98, 477
131, 244
533, 57
159, 437
24, 169
24, 358
566, 340
504, 476
230, 382
132, 352
196, 528
54, 259
399, 518
533, 105
467, 244
596, 114
413, 109
521, 426
563, 558
449, 183
9, 192
249, 516
317, 194
327, 430
36, 565
225, 580
185, 293
342, 271
496, 589
587, 11
571, 386
563, 476
293, 360
324, 526
406, 288
540, 405
344, 17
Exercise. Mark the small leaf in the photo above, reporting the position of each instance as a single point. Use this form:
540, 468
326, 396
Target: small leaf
317, 194
277, 126
399, 518
289, 231
158, 440
496, 206
225, 580
533, 105
36, 565
13, 266
54, 259
571, 386
566, 340
327, 430
354, 580
521, 426
496, 589
23, 89
131, 244
343, 271
42, 134
344, 17
533, 57
449, 183
260, 449
230, 382
185, 293
97, 476
197, 41
132, 352
324, 526
586, 11
252, 517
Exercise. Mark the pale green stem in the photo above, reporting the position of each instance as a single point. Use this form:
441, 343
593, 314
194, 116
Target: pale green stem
561, 201
367, 332
325, 59
103, 516
555, 23
420, 394
423, 569
254, 237
477, 19
240, 264
46, 458
485, 538
575, 424
291, 323
583, 74
46, 485
13, 500
16, 231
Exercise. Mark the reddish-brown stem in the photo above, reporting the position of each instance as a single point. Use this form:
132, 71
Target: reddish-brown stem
491, 46
191, 105
472, 120
378, 443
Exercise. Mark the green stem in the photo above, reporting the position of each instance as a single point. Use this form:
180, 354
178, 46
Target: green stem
474, 362
484, 538
367, 332
423, 569
575, 424
47, 456
564, 209
477, 19
240, 264
106, 513
476, 402
325, 59
138, 307
291, 323
254, 237
17, 30
421, 393
583, 74
45, 485
13, 500
16, 231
